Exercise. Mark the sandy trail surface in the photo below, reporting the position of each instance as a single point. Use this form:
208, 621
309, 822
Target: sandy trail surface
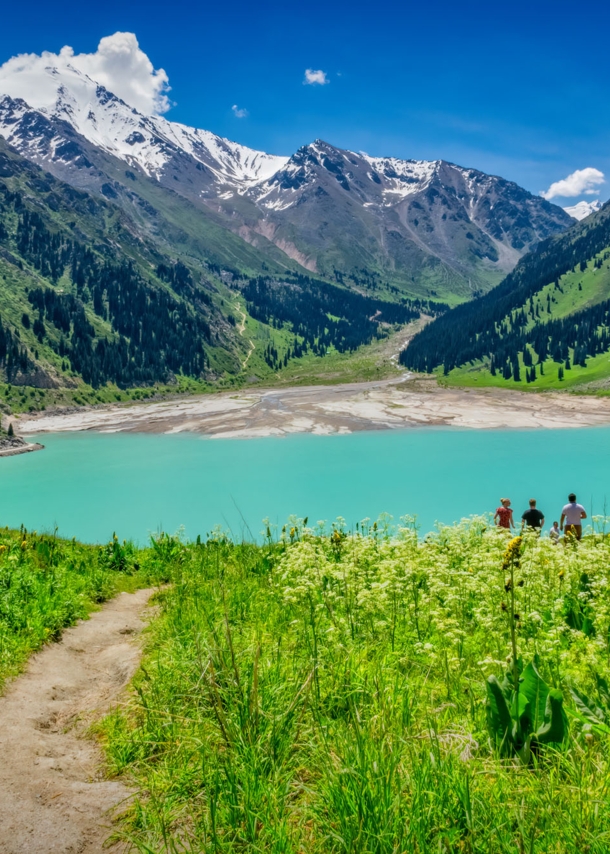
53, 796
377, 405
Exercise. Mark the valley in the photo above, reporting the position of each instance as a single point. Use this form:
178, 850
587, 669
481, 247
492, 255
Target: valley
141, 259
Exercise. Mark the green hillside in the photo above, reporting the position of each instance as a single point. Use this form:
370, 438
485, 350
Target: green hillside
547, 325
84, 296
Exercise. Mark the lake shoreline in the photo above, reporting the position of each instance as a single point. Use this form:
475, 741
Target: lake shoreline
397, 403
12, 446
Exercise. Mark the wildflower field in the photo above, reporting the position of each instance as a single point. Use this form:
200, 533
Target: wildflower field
373, 692
334, 691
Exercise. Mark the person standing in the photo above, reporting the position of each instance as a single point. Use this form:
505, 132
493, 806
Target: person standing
555, 533
532, 518
572, 515
504, 515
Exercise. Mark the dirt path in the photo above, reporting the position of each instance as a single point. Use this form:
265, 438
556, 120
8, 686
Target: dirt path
53, 798
241, 328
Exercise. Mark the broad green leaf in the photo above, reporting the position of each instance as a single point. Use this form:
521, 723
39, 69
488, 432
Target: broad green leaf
536, 690
587, 708
589, 713
521, 714
498, 716
555, 726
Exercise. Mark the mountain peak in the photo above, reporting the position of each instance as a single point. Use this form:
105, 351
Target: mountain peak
147, 141
583, 209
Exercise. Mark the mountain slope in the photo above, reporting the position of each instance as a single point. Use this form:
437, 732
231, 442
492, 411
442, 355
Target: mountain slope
549, 316
430, 226
149, 142
426, 228
158, 211
83, 297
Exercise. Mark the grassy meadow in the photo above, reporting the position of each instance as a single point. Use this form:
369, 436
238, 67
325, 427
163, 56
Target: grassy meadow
595, 377
342, 692
335, 691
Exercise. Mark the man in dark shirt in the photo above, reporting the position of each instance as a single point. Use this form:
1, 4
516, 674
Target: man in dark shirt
532, 518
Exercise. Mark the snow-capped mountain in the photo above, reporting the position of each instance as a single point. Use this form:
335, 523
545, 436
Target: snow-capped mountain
436, 221
425, 226
149, 142
583, 209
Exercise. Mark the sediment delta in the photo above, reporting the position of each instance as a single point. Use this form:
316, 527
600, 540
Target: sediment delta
378, 405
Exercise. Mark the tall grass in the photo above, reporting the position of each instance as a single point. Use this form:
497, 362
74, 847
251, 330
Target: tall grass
327, 694
47, 584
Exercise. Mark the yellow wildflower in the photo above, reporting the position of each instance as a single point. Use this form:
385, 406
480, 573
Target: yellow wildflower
512, 553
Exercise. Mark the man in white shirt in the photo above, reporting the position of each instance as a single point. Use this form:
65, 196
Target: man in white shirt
572, 514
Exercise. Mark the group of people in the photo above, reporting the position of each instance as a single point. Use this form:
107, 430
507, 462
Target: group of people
571, 518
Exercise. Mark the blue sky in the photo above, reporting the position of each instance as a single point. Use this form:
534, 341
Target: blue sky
520, 89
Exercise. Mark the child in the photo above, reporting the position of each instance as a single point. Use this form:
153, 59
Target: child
555, 533
504, 515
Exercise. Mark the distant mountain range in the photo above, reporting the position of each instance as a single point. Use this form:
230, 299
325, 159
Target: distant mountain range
135, 251
427, 229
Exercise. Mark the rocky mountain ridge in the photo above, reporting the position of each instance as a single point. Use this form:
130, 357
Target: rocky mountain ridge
426, 228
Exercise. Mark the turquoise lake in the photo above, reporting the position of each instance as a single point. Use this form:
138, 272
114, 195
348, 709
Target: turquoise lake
90, 485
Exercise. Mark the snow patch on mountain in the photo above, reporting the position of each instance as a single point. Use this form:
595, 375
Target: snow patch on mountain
583, 209
149, 142
237, 163
119, 64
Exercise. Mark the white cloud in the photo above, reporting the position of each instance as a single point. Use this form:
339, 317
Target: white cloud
119, 64
579, 183
239, 112
313, 77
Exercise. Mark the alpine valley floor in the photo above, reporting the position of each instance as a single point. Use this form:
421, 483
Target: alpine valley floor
384, 404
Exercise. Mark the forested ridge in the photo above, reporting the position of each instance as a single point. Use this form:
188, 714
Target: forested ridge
14, 357
506, 321
152, 333
322, 315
